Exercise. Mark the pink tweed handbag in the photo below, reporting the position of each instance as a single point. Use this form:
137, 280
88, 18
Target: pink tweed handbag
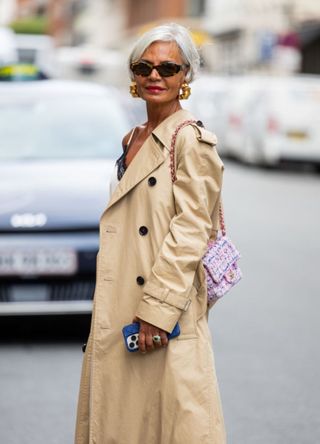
221, 264
221, 258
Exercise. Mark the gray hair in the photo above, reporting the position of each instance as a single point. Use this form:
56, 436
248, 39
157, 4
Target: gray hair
171, 32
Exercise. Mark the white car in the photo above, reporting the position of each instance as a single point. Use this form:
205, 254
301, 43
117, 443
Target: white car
37, 50
209, 96
284, 124
8, 51
239, 107
270, 120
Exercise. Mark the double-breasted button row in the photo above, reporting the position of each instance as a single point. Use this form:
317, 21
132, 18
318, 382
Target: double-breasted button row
140, 280
143, 230
152, 181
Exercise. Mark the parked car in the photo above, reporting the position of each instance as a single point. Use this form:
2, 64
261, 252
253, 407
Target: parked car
21, 72
38, 50
208, 101
135, 109
242, 93
89, 63
285, 124
271, 120
59, 141
8, 50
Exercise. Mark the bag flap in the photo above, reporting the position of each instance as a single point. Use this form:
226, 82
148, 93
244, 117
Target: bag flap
220, 256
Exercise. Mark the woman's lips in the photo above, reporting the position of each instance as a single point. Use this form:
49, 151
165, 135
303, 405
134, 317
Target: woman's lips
154, 89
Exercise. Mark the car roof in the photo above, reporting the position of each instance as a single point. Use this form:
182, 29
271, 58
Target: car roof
53, 87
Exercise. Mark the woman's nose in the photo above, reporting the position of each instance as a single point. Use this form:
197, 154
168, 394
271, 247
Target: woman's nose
154, 74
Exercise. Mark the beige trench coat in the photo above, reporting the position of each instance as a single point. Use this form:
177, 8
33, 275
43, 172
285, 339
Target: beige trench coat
169, 396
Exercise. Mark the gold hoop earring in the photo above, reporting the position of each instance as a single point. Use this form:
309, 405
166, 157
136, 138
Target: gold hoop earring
134, 89
186, 91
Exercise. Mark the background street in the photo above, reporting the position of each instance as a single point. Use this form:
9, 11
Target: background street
265, 332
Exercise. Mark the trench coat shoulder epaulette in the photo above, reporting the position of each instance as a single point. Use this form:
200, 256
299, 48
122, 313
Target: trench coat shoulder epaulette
205, 136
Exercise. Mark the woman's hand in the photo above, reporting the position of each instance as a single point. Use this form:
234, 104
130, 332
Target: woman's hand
146, 333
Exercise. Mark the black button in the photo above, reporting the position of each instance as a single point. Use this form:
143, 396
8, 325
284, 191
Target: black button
152, 181
140, 280
84, 347
143, 230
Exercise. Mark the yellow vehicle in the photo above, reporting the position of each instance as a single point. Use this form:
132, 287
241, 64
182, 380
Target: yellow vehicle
20, 71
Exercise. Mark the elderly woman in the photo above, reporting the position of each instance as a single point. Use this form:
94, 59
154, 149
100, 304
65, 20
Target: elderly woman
153, 235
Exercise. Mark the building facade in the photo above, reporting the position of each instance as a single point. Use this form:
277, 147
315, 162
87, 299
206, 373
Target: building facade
251, 34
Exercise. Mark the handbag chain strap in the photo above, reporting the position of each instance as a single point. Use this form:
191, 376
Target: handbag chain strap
173, 167
173, 145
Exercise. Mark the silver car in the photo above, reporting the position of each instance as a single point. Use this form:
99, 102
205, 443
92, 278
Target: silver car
58, 145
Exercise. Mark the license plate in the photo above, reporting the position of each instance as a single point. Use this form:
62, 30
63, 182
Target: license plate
60, 261
297, 135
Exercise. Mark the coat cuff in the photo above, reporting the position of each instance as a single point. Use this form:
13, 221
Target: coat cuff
161, 315
170, 297
162, 307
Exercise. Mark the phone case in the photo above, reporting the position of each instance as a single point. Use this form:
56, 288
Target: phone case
131, 335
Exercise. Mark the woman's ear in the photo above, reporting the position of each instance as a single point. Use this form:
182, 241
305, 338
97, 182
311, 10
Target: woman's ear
185, 73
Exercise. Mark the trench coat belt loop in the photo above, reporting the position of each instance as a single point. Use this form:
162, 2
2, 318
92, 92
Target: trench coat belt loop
165, 295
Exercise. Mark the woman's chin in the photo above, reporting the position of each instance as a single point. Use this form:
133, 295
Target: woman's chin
157, 99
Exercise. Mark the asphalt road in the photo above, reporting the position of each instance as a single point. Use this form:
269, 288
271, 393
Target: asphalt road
265, 333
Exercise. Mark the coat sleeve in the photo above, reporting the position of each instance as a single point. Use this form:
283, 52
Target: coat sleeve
167, 292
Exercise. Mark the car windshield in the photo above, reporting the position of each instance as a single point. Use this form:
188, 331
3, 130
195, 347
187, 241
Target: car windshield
61, 128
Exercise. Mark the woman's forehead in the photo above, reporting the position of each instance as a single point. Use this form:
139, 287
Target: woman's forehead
162, 51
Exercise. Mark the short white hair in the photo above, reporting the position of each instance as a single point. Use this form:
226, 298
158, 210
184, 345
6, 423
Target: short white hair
171, 32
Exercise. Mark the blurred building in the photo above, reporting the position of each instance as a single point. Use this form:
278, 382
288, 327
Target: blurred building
110, 22
309, 33
260, 34
61, 16
248, 35
7, 11
27, 8
54, 17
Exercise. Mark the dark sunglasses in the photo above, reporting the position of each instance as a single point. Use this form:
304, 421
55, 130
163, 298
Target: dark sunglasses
165, 69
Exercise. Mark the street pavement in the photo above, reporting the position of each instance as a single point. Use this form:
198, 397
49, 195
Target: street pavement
265, 332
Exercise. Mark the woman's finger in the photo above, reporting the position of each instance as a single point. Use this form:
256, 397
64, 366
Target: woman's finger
142, 342
164, 338
149, 342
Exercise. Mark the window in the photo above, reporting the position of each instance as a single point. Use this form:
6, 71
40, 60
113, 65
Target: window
195, 8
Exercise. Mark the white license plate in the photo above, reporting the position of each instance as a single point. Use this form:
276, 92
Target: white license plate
60, 261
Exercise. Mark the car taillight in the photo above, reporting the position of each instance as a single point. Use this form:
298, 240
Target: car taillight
235, 120
272, 125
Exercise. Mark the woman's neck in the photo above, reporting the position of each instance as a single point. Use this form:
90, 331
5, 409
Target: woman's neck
157, 113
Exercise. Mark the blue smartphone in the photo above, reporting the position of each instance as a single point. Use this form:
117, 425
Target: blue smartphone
131, 335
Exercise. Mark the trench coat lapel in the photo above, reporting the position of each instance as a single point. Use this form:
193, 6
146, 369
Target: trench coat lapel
148, 158
152, 154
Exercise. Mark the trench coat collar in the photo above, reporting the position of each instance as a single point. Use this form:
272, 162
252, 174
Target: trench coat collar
149, 156
165, 130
